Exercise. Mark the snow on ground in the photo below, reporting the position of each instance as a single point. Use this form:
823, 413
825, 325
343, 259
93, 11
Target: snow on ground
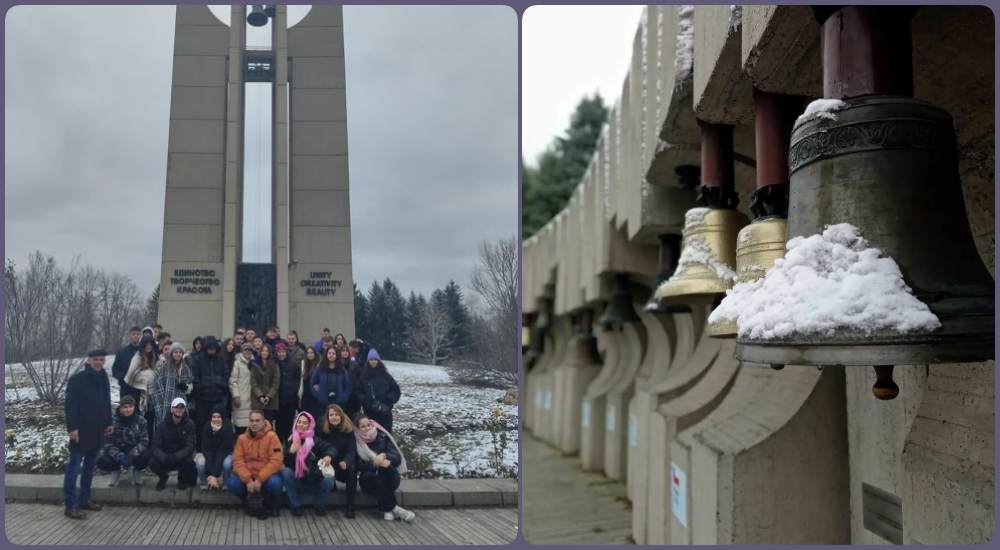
826, 282
456, 429
453, 425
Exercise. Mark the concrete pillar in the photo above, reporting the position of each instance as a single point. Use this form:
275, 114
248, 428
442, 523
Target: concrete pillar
662, 344
280, 211
546, 418
580, 368
769, 464
198, 221
320, 215
592, 411
618, 395
233, 215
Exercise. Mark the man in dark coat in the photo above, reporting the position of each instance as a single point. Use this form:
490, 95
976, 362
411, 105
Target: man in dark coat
272, 338
128, 445
123, 359
211, 383
173, 447
289, 386
88, 422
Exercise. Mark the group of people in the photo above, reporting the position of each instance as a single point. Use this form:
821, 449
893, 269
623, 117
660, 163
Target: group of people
257, 416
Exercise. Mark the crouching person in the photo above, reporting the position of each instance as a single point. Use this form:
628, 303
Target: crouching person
257, 463
173, 447
128, 445
336, 445
215, 461
380, 462
302, 472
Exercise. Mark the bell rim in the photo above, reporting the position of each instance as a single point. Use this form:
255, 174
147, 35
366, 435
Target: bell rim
965, 350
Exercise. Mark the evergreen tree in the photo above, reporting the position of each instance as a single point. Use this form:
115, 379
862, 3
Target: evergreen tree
362, 322
152, 308
450, 298
414, 315
395, 319
547, 187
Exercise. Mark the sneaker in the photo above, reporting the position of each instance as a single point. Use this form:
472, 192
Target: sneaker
92, 506
404, 514
388, 516
349, 512
115, 475
162, 483
74, 513
137, 478
297, 511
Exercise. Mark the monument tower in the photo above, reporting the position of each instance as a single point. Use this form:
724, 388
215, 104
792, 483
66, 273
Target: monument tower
206, 286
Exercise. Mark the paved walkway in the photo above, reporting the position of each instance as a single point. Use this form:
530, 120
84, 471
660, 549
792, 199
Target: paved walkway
27, 523
565, 505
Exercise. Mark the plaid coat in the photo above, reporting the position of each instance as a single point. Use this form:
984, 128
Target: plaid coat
165, 386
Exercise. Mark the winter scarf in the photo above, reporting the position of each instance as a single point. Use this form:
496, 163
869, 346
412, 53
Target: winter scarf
365, 453
305, 441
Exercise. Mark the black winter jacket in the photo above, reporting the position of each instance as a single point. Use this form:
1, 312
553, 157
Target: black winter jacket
337, 445
380, 445
377, 390
122, 360
216, 446
291, 375
211, 374
88, 408
130, 436
313, 475
173, 442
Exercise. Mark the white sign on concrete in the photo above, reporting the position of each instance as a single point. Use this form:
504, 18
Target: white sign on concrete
609, 419
678, 494
585, 414
633, 431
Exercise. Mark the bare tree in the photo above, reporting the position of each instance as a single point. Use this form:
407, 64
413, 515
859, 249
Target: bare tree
495, 278
430, 337
119, 305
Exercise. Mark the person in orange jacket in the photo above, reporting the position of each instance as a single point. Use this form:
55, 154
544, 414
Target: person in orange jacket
257, 465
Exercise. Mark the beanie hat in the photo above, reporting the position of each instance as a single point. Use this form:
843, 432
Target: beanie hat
149, 329
127, 400
176, 346
280, 346
373, 354
246, 346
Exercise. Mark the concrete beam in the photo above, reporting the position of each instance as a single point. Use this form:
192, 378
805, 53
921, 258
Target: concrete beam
722, 94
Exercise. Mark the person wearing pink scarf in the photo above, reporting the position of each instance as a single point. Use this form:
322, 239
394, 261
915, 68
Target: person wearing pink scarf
301, 470
379, 464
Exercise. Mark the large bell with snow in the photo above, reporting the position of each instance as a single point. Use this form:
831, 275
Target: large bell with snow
888, 165
757, 246
669, 253
708, 257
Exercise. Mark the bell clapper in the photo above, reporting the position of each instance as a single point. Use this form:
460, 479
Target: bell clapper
885, 388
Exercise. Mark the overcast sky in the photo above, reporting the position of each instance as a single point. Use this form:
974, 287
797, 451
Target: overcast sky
569, 52
432, 130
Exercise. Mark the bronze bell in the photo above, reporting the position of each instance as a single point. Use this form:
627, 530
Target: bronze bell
670, 248
888, 165
619, 309
708, 232
757, 246
257, 17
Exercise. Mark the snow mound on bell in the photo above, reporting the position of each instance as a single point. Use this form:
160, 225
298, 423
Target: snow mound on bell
697, 252
827, 282
821, 108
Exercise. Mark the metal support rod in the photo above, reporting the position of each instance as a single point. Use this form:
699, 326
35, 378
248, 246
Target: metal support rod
867, 50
